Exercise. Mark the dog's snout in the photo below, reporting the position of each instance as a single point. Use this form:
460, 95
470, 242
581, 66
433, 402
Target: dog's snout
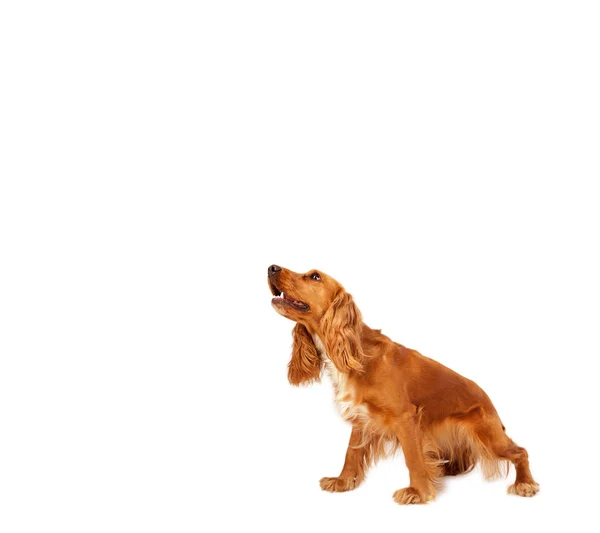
273, 269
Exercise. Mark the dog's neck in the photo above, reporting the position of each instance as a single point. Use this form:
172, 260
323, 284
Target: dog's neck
320, 346
345, 394
334, 374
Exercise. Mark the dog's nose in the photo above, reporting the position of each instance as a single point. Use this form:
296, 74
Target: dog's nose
273, 269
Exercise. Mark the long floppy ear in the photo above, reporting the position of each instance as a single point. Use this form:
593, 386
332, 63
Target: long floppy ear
305, 365
341, 325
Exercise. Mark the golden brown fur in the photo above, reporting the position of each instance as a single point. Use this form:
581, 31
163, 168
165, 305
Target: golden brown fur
393, 396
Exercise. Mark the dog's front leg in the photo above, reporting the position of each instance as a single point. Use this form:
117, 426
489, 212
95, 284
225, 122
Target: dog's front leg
354, 468
421, 489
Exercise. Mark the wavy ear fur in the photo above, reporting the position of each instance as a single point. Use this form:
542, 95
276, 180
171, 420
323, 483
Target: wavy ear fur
305, 365
341, 330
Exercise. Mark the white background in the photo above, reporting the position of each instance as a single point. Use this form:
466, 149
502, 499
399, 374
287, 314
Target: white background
440, 159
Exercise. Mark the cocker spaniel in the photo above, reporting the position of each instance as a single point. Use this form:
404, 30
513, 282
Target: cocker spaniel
393, 396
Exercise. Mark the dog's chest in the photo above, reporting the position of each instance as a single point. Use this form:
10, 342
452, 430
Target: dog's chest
346, 399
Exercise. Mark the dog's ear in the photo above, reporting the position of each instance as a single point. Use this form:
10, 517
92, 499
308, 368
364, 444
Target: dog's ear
305, 365
341, 325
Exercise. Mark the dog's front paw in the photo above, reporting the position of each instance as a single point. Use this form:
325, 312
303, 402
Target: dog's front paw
338, 484
410, 495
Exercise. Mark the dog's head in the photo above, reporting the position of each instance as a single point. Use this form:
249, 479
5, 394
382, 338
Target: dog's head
320, 307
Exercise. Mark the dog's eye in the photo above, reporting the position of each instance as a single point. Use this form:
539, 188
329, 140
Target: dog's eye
316, 276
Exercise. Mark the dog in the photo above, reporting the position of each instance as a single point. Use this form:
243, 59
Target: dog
393, 396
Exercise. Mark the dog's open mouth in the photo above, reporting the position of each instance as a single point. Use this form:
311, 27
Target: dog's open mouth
283, 299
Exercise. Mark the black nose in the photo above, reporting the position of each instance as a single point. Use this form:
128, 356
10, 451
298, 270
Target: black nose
273, 269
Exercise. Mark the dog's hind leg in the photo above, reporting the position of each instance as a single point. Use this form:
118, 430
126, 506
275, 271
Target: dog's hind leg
461, 461
499, 447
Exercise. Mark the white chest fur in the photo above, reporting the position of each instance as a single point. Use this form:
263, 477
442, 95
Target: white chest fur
345, 394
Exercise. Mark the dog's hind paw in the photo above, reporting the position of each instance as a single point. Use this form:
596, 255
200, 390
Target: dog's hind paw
527, 490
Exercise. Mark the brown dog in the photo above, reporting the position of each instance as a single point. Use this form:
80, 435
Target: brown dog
444, 423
